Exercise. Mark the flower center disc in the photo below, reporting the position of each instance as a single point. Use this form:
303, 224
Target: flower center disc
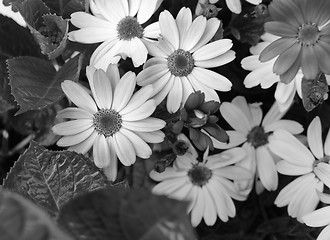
129, 28
199, 175
308, 34
257, 137
180, 63
107, 122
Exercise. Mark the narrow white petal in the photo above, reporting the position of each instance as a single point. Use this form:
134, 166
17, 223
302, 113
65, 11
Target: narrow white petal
286, 146
234, 6
226, 158
174, 97
162, 87
318, 218
187, 89
70, 140
85, 145
74, 113
142, 149
274, 114
154, 61
124, 149
235, 138
327, 144
231, 189
212, 50
151, 74
101, 152
169, 28
251, 62
192, 196
152, 137
112, 72
124, 91
235, 117
169, 186
255, 2
146, 125
314, 137
72, 127
210, 215
288, 125
151, 31
325, 234
291, 169
124, 4
137, 51
111, 171
322, 171
169, 173
217, 61
78, 96
111, 10
245, 107
134, 6
212, 79
263, 76
193, 34
92, 35
183, 21
85, 20
142, 112
210, 94
147, 8
103, 90
233, 173
182, 193
197, 211
266, 168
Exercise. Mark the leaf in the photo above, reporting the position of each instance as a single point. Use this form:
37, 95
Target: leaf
6, 100
35, 83
52, 178
20, 219
125, 215
49, 30
314, 91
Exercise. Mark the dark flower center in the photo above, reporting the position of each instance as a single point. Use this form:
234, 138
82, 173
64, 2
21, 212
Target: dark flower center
257, 137
308, 34
129, 28
107, 122
180, 63
199, 175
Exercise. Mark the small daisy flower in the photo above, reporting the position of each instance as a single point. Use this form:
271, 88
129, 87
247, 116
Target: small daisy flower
254, 131
115, 122
117, 25
207, 185
181, 57
234, 6
311, 165
320, 218
304, 30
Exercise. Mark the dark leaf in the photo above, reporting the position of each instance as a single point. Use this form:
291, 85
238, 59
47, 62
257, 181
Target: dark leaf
35, 83
200, 140
314, 91
21, 219
125, 214
6, 99
209, 107
52, 178
217, 132
195, 99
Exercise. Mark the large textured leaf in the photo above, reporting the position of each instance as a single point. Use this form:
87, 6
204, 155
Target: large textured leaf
35, 83
6, 100
52, 178
20, 219
126, 214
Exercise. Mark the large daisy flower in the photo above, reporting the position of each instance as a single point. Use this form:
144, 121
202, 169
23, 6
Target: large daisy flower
304, 31
253, 131
312, 165
207, 185
234, 6
181, 58
115, 122
117, 25
320, 218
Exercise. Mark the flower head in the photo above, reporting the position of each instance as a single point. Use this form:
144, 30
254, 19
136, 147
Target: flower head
304, 31
311, 165
115, 122
206, 185
181, 56
117, 25
253, 131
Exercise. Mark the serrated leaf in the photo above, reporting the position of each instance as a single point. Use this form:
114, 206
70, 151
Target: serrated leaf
314, 91
50, 178
35, 83
20, 219
126, 214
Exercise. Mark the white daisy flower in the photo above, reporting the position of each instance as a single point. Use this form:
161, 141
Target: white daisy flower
181, 57
262, 73
253, 131
234, 6
312, 165
117, 25
206, 185
320, 218
115, 122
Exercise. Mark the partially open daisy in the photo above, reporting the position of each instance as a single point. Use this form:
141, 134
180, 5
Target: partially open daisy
311, 165
181, 57
117, 25
304, 31
207, 185
115, 122
254, 131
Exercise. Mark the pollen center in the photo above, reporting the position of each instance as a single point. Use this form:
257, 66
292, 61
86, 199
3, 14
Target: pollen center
107, 122
199, 175
129, 28
180, 63
308, 34
257, 137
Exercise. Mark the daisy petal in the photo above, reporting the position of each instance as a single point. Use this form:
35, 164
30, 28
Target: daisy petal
288, 125
212, 50
142, 112
85, 145
266, 168
290, 169
72, 127
70, 140
284, 62
174, 97
141, 148
151, 74
212, 79
169, 173
327, 144
235, 117
151, 31
74, 113
281, 29
85, 20
103, 90
124, 91
152, 137
147, 8
217, 61
318, 218
101, 152
169, 28
309, 64
183, 21
322, 171
137, 51
210, 215
314, 137
146, 125
91, 35
210, 94
226, 158
324, 234
276, 48
235, 138
193, 34
78, 96
197, 211
233, 173
124, 149
134, 6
